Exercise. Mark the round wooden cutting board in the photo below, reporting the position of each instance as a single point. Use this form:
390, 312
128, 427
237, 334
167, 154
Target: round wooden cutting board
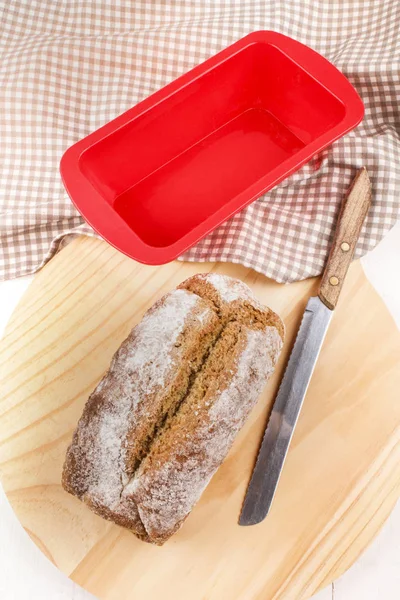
340, 481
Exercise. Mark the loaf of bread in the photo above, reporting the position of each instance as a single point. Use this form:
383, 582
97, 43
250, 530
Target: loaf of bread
163, 418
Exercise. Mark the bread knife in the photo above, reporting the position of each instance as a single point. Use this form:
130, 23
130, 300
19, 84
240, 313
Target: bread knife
304, 355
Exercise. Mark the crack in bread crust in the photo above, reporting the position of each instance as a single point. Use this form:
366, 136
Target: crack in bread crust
170, 399
195, 392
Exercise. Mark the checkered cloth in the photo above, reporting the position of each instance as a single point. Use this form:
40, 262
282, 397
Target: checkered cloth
68, 67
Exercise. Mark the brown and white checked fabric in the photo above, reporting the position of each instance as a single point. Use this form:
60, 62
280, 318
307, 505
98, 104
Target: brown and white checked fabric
69, 66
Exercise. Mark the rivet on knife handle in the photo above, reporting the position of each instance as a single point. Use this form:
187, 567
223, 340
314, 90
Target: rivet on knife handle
351, 218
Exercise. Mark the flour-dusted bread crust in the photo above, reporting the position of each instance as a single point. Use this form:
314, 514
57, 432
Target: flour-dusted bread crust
164, 417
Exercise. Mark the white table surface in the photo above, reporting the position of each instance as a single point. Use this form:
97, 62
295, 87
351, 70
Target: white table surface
25, 574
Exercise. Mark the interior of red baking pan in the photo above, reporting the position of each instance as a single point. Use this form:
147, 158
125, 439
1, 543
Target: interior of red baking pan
168, 169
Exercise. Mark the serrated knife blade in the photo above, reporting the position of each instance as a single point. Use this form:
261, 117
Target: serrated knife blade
285, 412
299, 370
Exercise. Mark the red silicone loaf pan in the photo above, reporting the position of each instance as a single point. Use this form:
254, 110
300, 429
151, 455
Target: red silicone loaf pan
162, 175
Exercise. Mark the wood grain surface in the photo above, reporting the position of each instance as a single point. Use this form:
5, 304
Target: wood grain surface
352, 215
339, 484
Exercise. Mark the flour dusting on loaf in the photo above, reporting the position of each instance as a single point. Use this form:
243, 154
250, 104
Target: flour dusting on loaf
163, 418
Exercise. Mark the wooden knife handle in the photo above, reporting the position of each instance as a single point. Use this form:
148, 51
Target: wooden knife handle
353, 212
